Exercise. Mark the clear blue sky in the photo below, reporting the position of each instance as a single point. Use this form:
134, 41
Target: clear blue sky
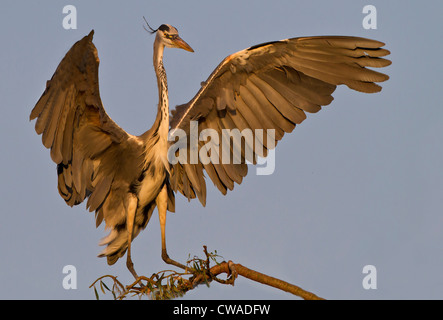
358, 183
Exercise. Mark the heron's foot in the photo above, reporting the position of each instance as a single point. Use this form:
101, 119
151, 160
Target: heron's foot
168, 260
130, 267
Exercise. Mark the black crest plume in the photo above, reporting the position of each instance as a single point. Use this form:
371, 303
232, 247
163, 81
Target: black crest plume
151, 31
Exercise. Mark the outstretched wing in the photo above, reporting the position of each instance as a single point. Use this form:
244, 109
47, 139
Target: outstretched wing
95, 158
269, 86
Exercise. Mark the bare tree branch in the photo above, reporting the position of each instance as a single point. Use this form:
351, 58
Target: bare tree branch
169, 284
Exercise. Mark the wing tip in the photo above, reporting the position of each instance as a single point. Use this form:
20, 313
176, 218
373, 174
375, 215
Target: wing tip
91, 34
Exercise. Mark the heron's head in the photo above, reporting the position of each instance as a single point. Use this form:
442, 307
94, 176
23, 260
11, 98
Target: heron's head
168, 36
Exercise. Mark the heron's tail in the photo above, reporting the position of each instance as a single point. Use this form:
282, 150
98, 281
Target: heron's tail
117, 244
117, 239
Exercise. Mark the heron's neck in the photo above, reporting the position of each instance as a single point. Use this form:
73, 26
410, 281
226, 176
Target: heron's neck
162, 119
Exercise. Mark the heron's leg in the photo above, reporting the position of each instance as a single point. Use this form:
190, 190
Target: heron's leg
162, 206
130, 217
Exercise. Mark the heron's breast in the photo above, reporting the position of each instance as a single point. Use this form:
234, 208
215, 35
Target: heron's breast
151, 182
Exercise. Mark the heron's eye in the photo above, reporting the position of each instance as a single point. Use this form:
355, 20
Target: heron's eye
170, 37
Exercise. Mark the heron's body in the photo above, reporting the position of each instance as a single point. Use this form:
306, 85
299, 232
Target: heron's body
152, 174
268, 87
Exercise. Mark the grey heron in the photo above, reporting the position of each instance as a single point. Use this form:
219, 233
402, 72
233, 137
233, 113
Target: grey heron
270, 86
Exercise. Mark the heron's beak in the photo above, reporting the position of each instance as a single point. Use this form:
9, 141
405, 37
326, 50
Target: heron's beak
180, 43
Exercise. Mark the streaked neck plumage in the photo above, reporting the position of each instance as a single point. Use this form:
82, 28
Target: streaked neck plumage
162, 119
156, 139
161, 123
